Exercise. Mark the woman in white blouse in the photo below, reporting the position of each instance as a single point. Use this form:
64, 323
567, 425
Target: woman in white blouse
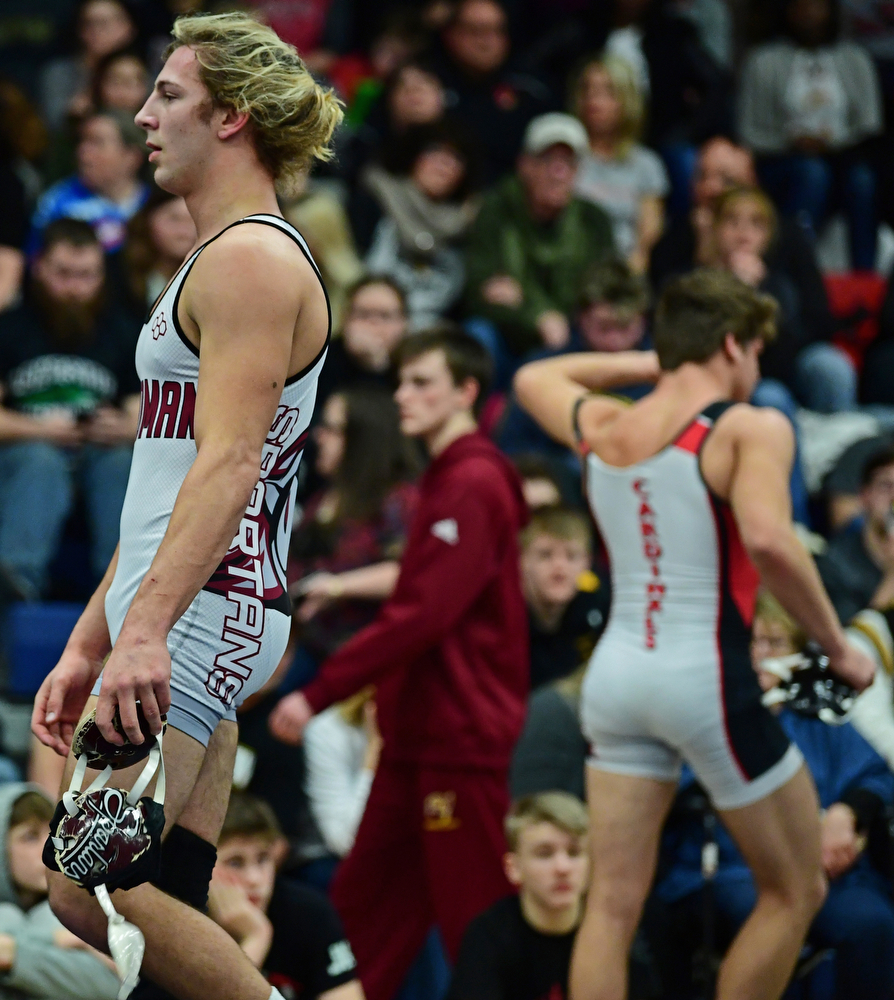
619, 174
341, 751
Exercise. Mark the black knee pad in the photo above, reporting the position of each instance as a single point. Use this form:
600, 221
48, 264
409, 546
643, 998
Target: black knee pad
187, 861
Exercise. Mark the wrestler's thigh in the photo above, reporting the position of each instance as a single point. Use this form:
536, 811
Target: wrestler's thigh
206, 806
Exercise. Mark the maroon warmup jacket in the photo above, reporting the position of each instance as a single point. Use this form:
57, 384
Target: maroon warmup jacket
448, 651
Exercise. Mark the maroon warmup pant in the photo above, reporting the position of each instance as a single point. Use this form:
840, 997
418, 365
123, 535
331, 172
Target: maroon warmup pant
429, 850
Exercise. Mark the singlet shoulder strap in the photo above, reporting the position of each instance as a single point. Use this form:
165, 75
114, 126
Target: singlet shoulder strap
714, 411
575, 424
695, 433
284, 226
582, 445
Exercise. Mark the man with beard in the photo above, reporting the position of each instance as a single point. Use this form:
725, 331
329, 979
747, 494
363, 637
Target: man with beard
68, 409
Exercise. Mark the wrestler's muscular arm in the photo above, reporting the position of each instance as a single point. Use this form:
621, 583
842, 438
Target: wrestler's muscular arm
748, 461
240, 305
548, 389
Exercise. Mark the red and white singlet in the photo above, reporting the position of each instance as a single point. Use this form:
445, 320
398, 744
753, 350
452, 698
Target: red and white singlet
671, 679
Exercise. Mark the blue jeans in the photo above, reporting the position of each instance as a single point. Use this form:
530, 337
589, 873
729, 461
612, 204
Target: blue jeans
806, 187
857, 920
769, 392
37, 489
826, 379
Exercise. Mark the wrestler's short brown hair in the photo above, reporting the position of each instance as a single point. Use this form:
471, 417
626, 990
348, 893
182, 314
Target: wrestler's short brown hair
698, 310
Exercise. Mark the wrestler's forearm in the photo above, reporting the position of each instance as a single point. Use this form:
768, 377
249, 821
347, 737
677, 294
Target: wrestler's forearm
91, 633
592, 370
789, 573
204, 521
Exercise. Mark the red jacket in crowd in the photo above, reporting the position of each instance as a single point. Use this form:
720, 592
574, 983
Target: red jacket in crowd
448, 652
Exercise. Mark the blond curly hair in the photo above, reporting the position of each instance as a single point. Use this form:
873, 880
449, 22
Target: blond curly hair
246, 66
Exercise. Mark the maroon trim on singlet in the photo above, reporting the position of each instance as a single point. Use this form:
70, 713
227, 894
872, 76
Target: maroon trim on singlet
693, 437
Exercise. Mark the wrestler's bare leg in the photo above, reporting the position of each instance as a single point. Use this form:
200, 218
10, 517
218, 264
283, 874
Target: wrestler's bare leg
186, 953
626, 817
780, 839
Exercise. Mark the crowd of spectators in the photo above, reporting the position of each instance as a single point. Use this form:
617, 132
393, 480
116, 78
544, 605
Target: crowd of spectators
526, 176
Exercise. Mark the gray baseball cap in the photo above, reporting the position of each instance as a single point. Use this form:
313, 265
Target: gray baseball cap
555, 129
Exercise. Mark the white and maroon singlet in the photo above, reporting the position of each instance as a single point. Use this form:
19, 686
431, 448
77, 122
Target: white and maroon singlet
671, 678
234, 633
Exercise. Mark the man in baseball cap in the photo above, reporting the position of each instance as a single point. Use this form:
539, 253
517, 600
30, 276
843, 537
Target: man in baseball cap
555, 129
534, 239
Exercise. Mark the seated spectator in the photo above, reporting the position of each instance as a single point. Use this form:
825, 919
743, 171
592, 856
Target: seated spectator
533, 241
289, 931
159, 237
858, 566
610, 316
39, 958
689, 241
423, 194
520, 948
567, 603
102, 26
342, 747
375, 322
413, 95
345, 552
820, 374
618, 173
844, 481
808, 103
872, 714
541, 484
689, 93
13, 200
855, 788
551, 753
107, 190
70, 408
120, 82
484, 90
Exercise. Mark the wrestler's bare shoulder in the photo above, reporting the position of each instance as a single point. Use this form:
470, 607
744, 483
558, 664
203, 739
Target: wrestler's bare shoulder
744, 423
251, 258
255, 277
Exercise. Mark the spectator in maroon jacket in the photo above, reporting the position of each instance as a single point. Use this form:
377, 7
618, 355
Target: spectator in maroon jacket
449, 656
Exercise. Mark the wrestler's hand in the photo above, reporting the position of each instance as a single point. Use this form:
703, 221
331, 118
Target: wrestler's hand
290, 717
61, 698
135, 671
854, 666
